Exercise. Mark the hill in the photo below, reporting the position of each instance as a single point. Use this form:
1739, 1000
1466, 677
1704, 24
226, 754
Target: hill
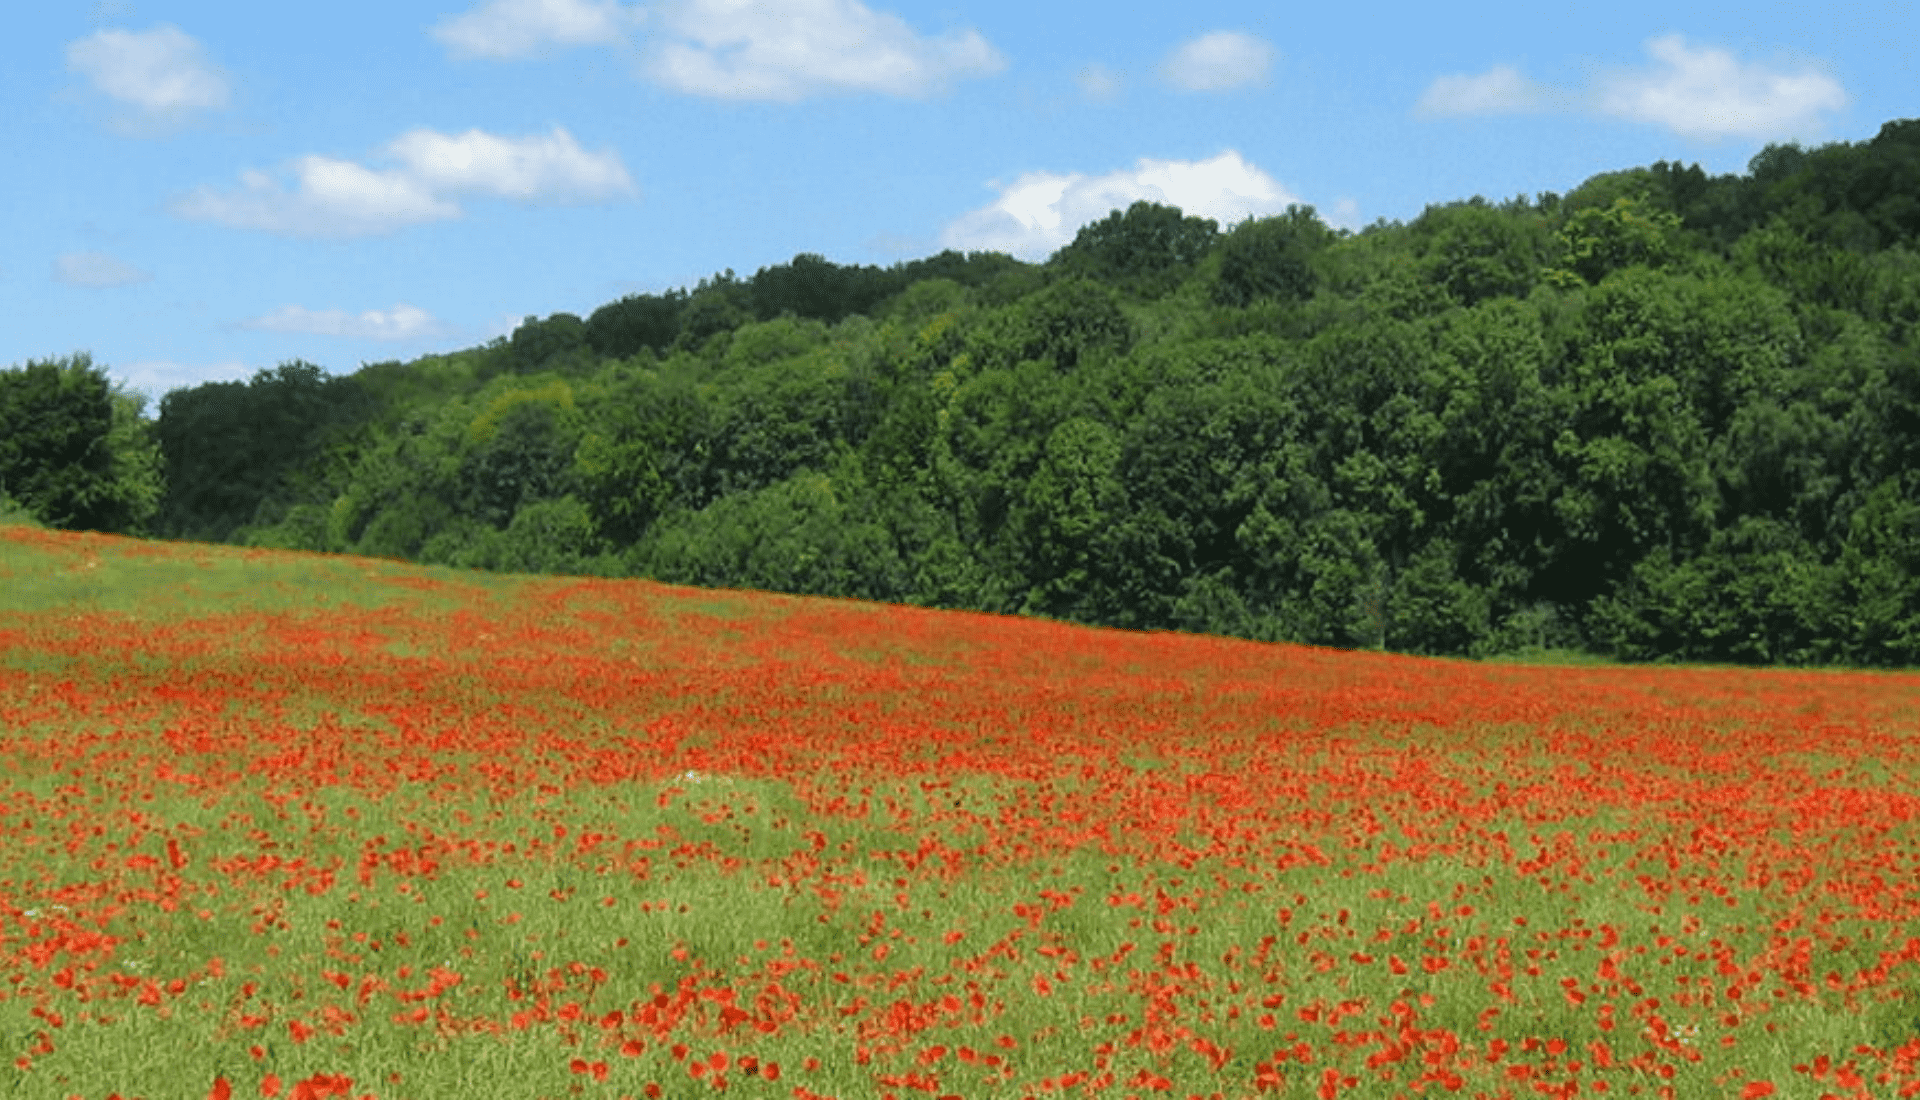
1665, 416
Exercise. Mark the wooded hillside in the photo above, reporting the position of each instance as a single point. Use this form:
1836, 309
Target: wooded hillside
1664, 416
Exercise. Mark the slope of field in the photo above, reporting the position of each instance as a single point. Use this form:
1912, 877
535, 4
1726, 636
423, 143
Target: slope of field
277, 824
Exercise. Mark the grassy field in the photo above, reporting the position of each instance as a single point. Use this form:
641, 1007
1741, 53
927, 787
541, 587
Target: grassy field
282, 825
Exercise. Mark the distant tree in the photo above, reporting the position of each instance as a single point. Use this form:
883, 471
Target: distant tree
1271, 258
1071, 502
1599, 240
232, 449
620, 329
1476, 252
74, 451
1145, 250
520, 450
720, 304
1068, 322
970, 269
811, 286
536, 344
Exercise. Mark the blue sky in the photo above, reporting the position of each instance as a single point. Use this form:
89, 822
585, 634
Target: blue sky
203, 190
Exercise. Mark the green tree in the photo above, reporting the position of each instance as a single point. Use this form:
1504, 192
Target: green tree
546, 345
1145, 250
1599, 240
74, 450
720, 304
1067, 506
544, 536
621, 329
1475, 251
234, 452
1880, 575
1072, 321
1271, 258
801, 535
811, 286
520, 450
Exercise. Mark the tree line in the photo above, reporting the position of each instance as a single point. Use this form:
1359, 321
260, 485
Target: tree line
1666, 416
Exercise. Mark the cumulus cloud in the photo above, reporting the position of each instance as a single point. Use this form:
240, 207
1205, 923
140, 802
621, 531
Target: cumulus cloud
1708, 93
1218, 62
162, 75
788, 50
1498, 91
552, 168
96, 269
402, 322
1695, 92
520, 28
327, 197
1041, 211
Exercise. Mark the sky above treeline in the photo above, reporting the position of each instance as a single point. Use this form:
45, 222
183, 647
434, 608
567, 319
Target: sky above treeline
202, 190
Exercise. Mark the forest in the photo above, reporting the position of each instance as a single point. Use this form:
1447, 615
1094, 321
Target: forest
1665, 416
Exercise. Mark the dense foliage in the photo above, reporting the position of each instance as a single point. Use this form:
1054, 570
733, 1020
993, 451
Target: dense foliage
1665, 416
74, 450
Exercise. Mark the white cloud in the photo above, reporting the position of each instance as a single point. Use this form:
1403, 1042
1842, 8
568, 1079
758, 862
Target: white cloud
1698, 93
529, 169
1499, 90
1042, 211
329, 198
1219, 61
519, 28
790, 49
341, 198
1098, 83
402, 322
1707, 93
163, 73
96, 269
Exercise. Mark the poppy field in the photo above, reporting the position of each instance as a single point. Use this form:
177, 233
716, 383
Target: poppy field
286, 825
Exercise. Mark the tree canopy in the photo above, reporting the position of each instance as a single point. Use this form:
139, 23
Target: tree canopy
1666, 416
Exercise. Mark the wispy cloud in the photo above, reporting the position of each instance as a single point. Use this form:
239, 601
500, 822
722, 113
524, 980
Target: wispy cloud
1218, 62
522, 28
1039, 212
1701, 93
329, 197
161, 77
1098, 83
792, 49
402, 322
1708, 93
96, 269
779, 50
1500, 90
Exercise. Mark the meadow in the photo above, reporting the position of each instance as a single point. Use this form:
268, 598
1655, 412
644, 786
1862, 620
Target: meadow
284, 825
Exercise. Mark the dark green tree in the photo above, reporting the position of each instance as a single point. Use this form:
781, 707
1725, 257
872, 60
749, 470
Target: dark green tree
1145, 250
1271, 258
74, 452
621, 329
1069, 322
234, 452
1476, 252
